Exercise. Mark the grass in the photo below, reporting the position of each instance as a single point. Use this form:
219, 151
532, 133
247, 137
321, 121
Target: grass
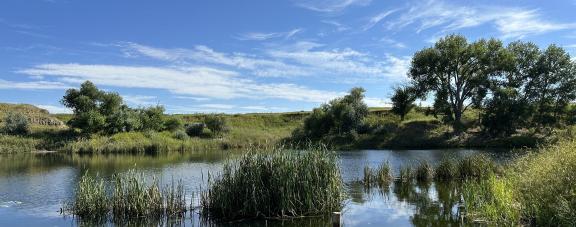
17, 144
406, 175
540, 186
447, 170
424, 172
131, 198
275, 183
477, 166
380, 176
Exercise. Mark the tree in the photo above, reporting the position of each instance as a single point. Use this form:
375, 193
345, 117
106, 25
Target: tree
455, 71
403, 101
552, 85
339, 117
505, 112
16, 123
173, 124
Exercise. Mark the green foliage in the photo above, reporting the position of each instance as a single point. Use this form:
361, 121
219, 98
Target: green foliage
477, 166
173, 123
195, 129
152, 118
341, 116
181, 135
505, 112
16, 123
446, 170
537, 189
98, 111
381, 176
216, 124
277, 183
456, 72
403, 101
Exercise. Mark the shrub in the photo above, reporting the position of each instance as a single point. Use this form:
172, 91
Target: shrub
216, 124
16, 123
172, 124
181, 135
277, 183
195, 129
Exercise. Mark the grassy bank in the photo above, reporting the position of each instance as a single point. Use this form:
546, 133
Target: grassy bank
277, 183
382, 130
538, 189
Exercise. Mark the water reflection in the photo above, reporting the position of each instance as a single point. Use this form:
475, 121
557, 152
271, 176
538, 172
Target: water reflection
33, 187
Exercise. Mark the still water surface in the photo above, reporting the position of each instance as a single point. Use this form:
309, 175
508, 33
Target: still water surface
33, 187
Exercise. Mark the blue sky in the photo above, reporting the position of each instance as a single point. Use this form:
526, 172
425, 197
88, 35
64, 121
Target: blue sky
245, 56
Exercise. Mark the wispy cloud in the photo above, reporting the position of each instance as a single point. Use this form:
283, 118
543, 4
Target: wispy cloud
140, 100
393, 42
299, 59
259, 36
377, 18
32, 85
194, 81
330, 6
339, 26
511, 22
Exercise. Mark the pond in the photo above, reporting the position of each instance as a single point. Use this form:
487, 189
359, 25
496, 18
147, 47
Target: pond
33, 187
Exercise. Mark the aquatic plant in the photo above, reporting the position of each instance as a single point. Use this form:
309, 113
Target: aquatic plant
477, 166
383, 174
90, 200
446, 171
275, 183
424, 172
406, 174
131, 198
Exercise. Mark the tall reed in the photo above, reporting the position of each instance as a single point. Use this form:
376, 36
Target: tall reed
275, 183
90, 201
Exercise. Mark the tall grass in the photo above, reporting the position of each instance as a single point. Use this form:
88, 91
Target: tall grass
424, 172
477, 166
17, 144
447, 170
380, 176
541, 186
131, 198
276, 183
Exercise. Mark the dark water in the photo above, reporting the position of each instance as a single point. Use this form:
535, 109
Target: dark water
33, 187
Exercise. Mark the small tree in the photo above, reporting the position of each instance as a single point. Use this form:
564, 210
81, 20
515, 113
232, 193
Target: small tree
403, 101
216, 123
152, 118
16, 123
195, 129
173, 124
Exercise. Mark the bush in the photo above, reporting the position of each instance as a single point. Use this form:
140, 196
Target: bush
16, 124
216, 124
181, 135
172, 124
277, 183
195, 129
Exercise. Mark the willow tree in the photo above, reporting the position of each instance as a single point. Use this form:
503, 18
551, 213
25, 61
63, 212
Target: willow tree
456, 72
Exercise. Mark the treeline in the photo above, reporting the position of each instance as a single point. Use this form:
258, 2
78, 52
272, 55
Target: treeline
515, 86
97, 111
511, 87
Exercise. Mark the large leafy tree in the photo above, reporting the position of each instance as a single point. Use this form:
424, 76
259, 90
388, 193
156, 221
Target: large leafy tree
552, 85
456, 72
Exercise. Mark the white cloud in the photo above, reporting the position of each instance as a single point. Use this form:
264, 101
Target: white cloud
259, 36
511, 22
330, 6
193, 81
32, 85
376, 102
140, 100
299, 59
55, 109
393, 42
376, 19
217, 106
339, 26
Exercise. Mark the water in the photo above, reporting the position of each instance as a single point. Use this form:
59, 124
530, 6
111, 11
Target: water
33, 187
